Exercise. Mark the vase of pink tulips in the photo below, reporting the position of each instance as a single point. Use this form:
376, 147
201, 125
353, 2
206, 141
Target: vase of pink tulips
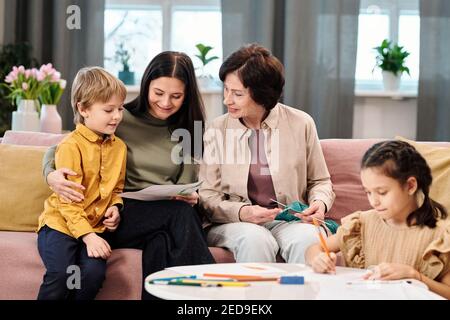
52, 89
28, 88
24, 87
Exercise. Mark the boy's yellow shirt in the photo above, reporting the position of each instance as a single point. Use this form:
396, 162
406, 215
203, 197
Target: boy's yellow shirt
100, 164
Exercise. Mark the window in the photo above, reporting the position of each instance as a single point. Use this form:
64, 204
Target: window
396, 20
202, 23
147, 27
138, 29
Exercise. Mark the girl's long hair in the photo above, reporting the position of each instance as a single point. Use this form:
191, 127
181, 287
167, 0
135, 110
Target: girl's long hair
400, 161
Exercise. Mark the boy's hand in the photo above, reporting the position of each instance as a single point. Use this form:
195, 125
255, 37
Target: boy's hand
112, 218
323, 264
96, 246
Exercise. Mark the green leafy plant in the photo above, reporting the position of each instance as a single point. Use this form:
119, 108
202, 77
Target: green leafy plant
203, 52
122, 56
391, 57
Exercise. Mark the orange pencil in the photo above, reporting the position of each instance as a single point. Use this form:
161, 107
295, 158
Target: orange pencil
322, 240
240, 277
254, 267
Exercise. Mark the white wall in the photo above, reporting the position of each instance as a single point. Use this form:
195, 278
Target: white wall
383, 117
2, 19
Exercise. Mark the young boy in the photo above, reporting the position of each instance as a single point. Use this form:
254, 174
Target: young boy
71, 239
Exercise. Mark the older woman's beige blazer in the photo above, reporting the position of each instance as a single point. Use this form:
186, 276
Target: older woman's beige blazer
293, 153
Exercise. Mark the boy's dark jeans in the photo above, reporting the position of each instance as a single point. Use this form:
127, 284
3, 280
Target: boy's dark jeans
65, 257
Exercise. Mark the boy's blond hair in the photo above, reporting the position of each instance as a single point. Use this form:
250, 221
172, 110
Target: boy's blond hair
91, 85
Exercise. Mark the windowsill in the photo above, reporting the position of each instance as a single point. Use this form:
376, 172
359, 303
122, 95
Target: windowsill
211, 90
394, 95
133, 88
375, 89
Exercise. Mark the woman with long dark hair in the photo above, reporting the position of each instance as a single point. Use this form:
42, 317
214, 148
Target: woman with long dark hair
168, 231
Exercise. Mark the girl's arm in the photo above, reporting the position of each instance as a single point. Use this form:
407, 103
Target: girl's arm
441, 287
317, 258
395, 271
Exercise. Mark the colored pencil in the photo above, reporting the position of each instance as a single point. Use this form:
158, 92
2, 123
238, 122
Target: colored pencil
239, 277
322, 240
206, 283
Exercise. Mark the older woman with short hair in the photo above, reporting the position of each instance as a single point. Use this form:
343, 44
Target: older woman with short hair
261, 152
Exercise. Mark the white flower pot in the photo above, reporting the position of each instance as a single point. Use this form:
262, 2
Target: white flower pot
26, 117
50, 119
391, 82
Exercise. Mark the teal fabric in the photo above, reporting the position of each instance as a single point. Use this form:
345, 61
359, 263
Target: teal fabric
331, 225
297, 206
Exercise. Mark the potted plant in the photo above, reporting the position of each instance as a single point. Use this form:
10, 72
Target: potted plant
24, 87
122, 56
52, 89
204, 78
391, 60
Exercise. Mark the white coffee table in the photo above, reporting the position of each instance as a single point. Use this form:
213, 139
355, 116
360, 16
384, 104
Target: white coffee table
317, 286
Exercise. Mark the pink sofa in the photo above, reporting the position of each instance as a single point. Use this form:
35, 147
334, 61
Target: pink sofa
21, 268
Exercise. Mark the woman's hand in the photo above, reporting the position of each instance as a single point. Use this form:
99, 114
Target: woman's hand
323, 264
315, 210
257, 214
64, 188
112, 218
391, 271
192, 198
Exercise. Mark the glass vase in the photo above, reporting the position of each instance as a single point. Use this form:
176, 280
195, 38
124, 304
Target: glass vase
26, 118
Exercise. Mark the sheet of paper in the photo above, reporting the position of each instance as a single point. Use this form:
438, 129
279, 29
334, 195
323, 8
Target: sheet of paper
230, 268
347, 284
162, 192
343, 275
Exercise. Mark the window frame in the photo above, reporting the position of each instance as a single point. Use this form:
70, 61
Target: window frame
393, 9
167, 7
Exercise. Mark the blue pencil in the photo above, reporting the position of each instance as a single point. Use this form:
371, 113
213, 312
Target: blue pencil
166, 280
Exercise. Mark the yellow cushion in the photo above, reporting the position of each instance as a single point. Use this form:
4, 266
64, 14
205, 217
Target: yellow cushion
22, 187
438, 158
